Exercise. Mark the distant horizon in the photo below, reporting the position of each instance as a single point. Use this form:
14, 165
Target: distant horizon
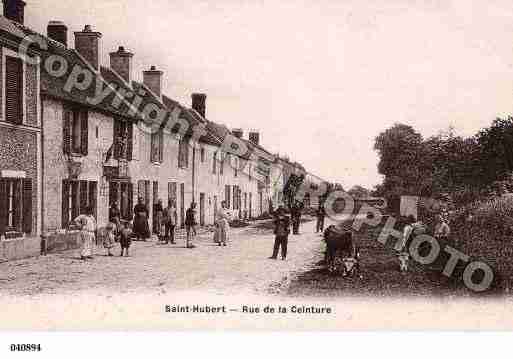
322, 84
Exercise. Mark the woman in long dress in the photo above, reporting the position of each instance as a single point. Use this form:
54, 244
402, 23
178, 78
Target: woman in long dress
222, 225
87, 225
141, 214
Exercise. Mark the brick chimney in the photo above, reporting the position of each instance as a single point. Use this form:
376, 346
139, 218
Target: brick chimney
152, 79
238, 132
58, 31
121, 62
199, 103
15, 10
254, 136
87, 44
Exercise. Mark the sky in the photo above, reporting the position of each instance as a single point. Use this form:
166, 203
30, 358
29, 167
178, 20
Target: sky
319, 79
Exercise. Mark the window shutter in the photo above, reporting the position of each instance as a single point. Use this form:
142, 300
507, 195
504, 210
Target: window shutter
65, 203
153, 157
92, 196
131, 199
84, 132
3, 205
130, 141
84, 197
66, 131
17, 204
115, 140
14, 90
27, 205
161, 146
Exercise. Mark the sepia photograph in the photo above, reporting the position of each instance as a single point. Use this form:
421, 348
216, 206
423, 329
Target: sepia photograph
256, 165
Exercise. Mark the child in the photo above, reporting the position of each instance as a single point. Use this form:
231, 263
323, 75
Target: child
108, 239
281, 231
125, 238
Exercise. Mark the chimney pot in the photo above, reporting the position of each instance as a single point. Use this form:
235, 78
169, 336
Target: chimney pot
88, 45
57, 31
199, 103
254, 137
121, 62
152, 79
15, 10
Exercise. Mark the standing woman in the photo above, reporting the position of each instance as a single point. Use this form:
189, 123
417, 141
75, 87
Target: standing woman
141, 214
87, 225
222, 225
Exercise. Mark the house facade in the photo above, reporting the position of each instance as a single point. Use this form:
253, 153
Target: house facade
20, 138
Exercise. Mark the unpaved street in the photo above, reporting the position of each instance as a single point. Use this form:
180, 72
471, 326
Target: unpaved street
242, 266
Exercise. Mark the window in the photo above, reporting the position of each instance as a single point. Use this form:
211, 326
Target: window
236, 197
171, 192
75, 128
183, 153
13, 90
202, 155
214, 163
15, 205
221, 165
123, 140
76, 197
157, 146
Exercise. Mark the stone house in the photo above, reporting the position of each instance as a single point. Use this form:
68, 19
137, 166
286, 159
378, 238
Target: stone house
20, 139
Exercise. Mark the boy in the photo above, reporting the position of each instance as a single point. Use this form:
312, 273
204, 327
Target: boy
190, 224
125, 238
281, 231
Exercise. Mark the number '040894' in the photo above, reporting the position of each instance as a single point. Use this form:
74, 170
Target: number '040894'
25, 347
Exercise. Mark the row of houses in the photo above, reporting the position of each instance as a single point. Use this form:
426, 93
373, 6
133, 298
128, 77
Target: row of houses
75, 133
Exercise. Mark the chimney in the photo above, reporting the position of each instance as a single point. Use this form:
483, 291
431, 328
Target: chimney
121, 62
152, 79
58, 31
238, 132
87, 44
254, 136
199, 103
15, 10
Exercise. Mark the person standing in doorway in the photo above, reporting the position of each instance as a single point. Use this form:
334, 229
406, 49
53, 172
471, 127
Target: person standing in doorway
321, 215
170, 218
115, 216
141, 214
190, 224
281, 232
87, 224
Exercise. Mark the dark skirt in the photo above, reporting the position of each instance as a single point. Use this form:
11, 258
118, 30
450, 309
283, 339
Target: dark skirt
141, 227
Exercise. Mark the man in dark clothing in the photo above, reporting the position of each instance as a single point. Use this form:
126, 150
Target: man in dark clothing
321, 214
190, 224
295, 213
281, 231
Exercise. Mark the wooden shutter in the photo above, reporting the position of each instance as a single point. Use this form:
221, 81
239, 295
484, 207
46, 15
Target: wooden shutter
67, 118
17, 204
4, 205
84, 132
27, 205
13, 90
93, 188
161, 145
130, 141
130, 200
153, 154
83, 195
140, 189
65, 203
116, 138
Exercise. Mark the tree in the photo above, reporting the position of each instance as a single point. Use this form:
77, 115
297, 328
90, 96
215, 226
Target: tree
359, 192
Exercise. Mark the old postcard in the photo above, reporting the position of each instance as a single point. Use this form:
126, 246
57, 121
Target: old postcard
256, 165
